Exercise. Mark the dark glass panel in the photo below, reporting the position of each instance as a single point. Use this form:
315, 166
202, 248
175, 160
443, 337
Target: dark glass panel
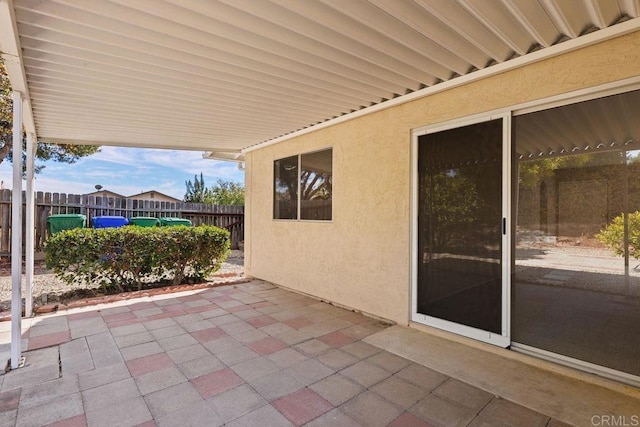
316, 185
576, 284
460, 225
285, 188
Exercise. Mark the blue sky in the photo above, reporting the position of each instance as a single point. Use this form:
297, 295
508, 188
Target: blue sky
129, 171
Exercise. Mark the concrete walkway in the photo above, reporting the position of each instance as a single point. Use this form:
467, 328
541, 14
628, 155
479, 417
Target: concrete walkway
238, 355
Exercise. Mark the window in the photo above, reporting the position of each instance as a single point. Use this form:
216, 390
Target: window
285, 188
302, 186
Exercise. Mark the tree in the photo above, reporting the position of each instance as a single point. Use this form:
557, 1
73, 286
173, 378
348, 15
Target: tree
451, 204
197, 192
64, 153
227, 193
222, 193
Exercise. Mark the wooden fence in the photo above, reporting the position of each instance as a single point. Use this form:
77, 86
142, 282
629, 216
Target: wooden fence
229, 217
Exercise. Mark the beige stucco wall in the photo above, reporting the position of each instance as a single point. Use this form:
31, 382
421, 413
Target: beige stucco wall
362, 258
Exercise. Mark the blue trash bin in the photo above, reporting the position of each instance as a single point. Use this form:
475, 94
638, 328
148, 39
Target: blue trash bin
109, 221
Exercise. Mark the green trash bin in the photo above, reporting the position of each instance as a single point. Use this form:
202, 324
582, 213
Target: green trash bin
144, 221
61, 222
167, 222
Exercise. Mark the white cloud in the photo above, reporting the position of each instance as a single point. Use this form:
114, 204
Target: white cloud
188, 162
130, 171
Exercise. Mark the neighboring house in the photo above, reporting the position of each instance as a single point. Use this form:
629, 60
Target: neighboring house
146, 195
106, 193
156, 196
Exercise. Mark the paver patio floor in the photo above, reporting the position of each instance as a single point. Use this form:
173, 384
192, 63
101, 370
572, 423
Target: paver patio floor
239, 355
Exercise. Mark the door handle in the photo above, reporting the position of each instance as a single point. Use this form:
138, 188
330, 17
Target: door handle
504, 226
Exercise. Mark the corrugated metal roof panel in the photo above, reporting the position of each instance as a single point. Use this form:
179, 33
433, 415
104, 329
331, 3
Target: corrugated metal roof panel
227, 74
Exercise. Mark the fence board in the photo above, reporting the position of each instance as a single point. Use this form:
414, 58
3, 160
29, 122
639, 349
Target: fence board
46, 204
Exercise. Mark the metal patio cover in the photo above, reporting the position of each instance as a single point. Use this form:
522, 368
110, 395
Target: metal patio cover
222, 75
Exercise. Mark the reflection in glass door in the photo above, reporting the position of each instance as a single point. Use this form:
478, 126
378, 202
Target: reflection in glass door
460, 235
576, 287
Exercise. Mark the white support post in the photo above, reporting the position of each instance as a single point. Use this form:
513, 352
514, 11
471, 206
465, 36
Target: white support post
32, 145
16, 234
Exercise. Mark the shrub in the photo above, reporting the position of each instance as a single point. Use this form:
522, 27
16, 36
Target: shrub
612, 235
127, 258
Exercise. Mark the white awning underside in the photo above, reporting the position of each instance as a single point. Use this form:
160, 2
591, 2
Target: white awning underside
221, 75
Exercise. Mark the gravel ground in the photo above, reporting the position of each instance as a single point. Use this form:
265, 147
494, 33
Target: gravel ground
46, 283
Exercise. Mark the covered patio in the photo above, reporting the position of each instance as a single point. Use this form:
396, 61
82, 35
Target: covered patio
269, 80
239, 355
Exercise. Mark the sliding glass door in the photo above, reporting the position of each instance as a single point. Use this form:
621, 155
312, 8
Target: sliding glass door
460, 266
576, 287
548, 262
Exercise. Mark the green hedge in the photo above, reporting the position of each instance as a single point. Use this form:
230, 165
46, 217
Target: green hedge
612, 235
131, 257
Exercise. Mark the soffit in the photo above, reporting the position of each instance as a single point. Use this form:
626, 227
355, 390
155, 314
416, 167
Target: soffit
223, 75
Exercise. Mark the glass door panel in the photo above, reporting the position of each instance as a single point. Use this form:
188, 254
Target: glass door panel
576, 287
460, 226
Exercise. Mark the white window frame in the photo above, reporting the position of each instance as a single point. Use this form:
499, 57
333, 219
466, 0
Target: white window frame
299, 200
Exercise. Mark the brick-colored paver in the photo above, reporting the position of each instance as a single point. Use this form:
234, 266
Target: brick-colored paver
409, 420
148, 364
267, 346
49, 340
216, 382
261, 321
9, 400
243, 355
208, 334
302, 406
337, 339
77, 421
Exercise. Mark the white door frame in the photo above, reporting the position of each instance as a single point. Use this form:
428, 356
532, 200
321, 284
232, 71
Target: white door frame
503, 339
